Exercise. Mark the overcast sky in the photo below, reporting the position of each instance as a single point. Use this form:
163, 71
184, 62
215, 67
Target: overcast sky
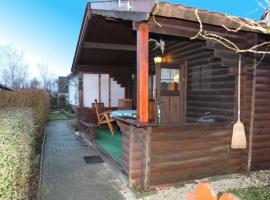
47, 30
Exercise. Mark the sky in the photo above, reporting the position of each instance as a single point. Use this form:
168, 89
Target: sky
47, 30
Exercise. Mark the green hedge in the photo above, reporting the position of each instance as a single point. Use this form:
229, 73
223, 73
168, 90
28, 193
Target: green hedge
23, 115
17, 136
34, 98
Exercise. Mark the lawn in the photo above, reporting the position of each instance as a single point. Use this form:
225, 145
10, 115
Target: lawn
252, 193
57, 116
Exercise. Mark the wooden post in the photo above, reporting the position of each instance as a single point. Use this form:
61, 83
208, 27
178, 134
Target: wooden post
142, 73
147, 152
252, 110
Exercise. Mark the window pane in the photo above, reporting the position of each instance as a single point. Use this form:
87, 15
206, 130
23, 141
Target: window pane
165, 74
175, 73
170, 79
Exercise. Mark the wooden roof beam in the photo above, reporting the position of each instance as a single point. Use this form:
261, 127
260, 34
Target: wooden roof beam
109, 46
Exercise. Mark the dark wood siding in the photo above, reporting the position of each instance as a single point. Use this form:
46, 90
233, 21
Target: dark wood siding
210, 85
190, 152
261, 138
136, 155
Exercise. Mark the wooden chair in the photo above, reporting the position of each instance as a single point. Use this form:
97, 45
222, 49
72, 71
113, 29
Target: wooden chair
104, 118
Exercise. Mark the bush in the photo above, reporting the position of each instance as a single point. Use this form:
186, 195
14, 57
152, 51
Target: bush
34, 98
23, 115
61, 101
17, 136
53, 101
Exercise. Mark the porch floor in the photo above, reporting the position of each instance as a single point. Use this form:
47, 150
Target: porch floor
111, 144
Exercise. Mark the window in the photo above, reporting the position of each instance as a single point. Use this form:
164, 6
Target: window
169, 81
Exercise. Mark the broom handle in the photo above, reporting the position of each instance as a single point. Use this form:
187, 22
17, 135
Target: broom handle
239, 86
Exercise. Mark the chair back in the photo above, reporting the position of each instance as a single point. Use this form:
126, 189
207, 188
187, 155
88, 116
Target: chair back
99, 108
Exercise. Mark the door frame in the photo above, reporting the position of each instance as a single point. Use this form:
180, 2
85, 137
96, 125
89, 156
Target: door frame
182, 88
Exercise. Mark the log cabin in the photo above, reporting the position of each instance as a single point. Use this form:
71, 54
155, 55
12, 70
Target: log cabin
186, 101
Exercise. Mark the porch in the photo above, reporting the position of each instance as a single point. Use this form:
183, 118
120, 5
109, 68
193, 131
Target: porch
185, 102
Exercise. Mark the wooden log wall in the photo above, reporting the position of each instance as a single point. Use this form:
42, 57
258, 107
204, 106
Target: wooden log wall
190, 152
210, 86
136, 156
261, 130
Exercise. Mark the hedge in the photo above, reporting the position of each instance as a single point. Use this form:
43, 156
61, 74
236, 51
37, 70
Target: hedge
34, 98
23, 115
17, 138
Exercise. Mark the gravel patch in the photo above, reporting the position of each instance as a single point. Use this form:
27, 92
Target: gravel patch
219, 184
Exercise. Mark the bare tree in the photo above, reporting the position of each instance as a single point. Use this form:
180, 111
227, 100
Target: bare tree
34, 83
47, 80
15, 72
261, 26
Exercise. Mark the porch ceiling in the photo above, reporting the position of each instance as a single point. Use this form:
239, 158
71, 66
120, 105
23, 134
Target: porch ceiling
106, 42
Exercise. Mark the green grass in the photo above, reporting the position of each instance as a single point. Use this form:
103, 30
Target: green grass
57, 116
111, 144
252, 193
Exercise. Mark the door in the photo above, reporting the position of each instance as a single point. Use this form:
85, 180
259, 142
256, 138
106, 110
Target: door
171, 92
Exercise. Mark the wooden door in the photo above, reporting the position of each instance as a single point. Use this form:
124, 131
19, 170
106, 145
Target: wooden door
171, 92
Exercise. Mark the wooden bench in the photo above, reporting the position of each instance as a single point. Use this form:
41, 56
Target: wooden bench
89, 127
87, 120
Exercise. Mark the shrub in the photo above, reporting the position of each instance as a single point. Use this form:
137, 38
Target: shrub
34, 98
17, 133
53, 101
61, 101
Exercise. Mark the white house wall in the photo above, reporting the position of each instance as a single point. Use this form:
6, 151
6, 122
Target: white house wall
117, 92
90, 88
104, 80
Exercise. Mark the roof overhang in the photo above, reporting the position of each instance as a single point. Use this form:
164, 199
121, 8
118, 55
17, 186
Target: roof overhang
97, 38
102, 19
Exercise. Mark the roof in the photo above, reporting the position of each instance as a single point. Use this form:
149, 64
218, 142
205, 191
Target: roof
142, 10
3, 87
110, 13
188, 13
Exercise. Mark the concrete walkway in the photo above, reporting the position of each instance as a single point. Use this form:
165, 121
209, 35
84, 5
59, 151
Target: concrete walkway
66, 176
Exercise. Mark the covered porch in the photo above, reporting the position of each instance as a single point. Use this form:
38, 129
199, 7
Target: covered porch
185, 102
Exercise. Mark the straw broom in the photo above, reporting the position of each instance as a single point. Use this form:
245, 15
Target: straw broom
239, 140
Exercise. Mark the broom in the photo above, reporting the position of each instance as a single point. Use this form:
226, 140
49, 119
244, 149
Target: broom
239, 140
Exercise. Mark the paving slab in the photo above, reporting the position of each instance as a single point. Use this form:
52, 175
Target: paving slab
65, 174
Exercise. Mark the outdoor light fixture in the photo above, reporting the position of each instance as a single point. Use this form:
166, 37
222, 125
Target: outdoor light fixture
159, 44
158, 59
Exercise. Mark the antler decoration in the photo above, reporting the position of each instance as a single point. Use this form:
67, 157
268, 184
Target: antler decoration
159, 44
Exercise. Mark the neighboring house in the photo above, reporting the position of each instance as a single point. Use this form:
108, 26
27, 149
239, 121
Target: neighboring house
62, 91
193, 87
62, 85
5, 88
73, 90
